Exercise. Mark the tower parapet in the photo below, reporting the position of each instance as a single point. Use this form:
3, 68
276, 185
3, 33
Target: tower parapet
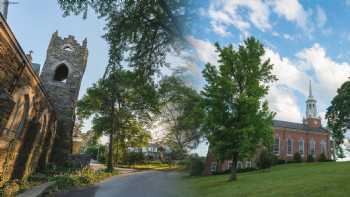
61, 75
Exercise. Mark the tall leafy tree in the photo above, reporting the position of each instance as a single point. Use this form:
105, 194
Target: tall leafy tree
140, 32
237, 117
338, 116
117, 103
181, 114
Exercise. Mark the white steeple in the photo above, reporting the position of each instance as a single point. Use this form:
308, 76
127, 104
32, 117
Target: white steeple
311, 109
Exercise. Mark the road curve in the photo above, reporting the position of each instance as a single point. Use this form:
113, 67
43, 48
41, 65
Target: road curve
140, 184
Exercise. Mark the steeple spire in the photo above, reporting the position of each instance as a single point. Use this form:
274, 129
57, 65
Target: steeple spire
310, 90
311, 109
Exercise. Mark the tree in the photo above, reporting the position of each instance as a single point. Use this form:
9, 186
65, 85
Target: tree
181, 114
338, 116
117, 105
141, 32
237, 118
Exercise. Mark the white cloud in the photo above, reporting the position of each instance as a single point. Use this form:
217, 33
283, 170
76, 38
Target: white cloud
226, 13
205, 50
312, 63
321, 17
243, 14
282, 101
291, 10
288, 37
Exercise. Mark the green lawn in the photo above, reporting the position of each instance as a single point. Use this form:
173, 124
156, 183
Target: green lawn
306, 179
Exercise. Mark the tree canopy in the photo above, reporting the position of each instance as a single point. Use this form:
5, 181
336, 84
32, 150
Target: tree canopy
338, 116
237, 117
181, 114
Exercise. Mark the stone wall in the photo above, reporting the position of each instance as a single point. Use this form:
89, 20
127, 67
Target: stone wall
27, 118
61, 75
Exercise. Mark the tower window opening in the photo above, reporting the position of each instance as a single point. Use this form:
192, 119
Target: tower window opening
68, 48
61, 73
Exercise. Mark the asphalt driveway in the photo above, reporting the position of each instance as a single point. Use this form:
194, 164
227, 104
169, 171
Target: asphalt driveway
139, 184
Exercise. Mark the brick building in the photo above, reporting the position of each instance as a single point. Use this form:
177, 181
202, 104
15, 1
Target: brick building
307, 138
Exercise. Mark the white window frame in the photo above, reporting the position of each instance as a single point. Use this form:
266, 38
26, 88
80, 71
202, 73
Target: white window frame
239, 165
278, 146
229, 164
312, 146
248, 164
291, 147
213, 166
302, 147
323, 147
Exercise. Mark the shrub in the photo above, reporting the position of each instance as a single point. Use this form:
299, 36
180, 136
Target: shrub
310, 158
297, 157
322, 158
264, 160
134, 157
196, 166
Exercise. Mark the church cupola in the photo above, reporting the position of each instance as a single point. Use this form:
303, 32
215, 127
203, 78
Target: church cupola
311, 118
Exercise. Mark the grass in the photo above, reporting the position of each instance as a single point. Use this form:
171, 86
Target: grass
153, 166
304, 179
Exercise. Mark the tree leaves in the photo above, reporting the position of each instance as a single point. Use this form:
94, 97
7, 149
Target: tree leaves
237, 119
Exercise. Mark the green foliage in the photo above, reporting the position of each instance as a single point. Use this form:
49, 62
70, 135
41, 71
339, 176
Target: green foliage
264, 159
322, 158
182, 114
338, 116
134, 158
297, 157
310, 158
237, 117
196, 165
73, 179
139, 33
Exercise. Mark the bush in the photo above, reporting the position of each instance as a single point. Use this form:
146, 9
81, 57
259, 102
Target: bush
196, 166
322, 158
134, 157
264, 160
297, 157
310, 158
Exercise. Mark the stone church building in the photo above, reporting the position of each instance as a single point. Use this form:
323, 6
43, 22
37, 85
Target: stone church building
37, 111
308, 138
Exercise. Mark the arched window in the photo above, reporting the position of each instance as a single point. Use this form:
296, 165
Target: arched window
323, 147
289, 146
24, 117
301, 147
61, 73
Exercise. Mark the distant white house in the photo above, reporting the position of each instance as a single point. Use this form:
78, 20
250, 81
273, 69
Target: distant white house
152, 151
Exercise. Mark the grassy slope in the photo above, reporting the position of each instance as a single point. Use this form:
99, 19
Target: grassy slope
307, 179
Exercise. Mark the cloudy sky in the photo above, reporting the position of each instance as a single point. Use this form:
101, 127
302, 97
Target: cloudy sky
305, 40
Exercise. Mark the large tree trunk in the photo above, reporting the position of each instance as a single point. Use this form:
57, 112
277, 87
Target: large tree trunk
110, 146
233, 175
110, 153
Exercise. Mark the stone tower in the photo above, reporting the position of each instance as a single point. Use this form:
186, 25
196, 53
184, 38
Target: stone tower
311, 118
61, 75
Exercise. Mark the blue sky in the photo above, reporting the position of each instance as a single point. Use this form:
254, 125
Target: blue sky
306, 40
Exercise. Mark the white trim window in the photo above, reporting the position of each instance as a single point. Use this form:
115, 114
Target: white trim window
301, 147
229, 165
239, 165
312, 147
248, 164
289, 146
323, 147
213, 166
276, 146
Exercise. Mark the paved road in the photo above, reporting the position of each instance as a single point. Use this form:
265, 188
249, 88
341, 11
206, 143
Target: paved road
139, 184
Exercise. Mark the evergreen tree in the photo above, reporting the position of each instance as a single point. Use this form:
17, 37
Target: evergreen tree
237, 117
